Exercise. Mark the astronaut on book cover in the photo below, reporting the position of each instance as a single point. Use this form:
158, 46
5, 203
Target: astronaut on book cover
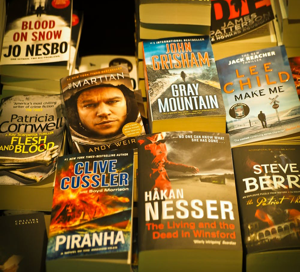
103, 114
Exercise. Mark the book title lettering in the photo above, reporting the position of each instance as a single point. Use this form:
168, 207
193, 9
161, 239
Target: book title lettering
179, 55
270, 180
42, 34
98, 173
185, 97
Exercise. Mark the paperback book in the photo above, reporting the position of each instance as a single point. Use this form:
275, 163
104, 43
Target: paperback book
182, 85
36, 40
32, 137
267, 180
230, 19
260, 97
94, 62
23, 242
32, 130
188, 212
91, 220
295, 68
101, 110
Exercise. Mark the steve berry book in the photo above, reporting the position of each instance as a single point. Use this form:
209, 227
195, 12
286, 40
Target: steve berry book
267, 180
260, 97
182, 85
91, 220
230, 19
187, 208
101, 110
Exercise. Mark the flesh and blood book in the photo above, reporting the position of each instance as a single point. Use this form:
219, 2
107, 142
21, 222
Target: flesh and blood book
31, 134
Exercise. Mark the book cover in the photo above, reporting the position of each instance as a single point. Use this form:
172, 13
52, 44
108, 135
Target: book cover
37, 32
267, 180
295, 68
31, 136
77, 25
92, 210
230, 19
101, 110
259, 94
182, 84
187, 202
23, 242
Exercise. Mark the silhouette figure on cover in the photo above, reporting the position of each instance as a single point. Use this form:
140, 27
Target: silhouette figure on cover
183, 75
262, 117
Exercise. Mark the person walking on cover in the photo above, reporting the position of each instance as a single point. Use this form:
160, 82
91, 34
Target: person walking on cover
262, 117
183, 75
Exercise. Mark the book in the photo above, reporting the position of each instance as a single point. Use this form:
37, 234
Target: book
267, 180
182, 12
295, 68
287, 28
32, 137
291, 51
159, 31
260, 97
187, 205
91, 220
3, 20
36, 41
23, 242
77, 24
230, 19
293, 9
259, 38
42, 86
88, 63
101, 110
182, 85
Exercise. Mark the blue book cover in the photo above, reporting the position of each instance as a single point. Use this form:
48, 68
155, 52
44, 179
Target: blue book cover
181, 79
92, 208
259, 94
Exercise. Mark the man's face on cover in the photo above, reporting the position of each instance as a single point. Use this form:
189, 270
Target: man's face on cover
102, 110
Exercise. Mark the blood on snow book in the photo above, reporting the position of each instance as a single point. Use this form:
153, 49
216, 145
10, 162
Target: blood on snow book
32, 137
91, 220
260, 97
182, 85
267, 180
101, 110
36, 42
23, 242
187, 207
230, 19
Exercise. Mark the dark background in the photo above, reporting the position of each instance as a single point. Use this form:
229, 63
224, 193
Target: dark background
108, 27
